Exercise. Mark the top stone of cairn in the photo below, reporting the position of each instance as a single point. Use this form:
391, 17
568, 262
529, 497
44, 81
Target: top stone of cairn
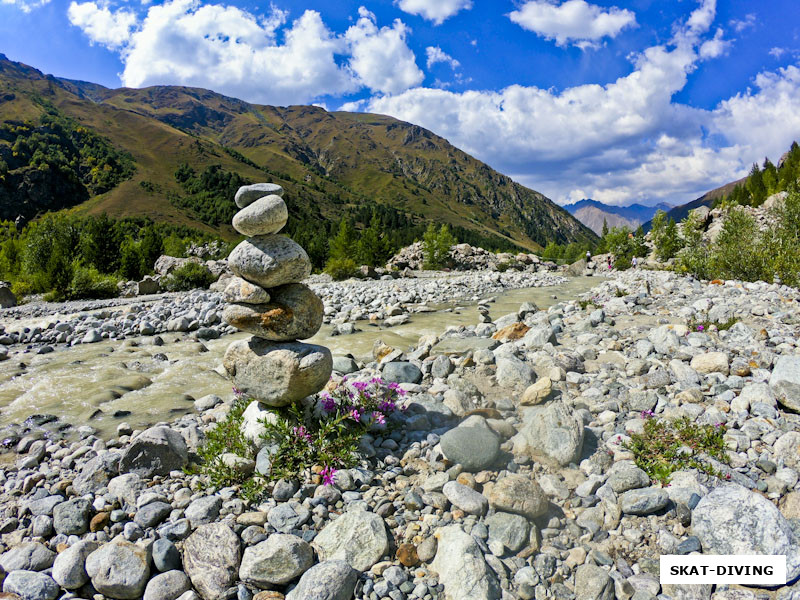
247, 194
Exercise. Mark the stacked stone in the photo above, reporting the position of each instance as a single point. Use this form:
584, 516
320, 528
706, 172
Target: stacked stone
267, 299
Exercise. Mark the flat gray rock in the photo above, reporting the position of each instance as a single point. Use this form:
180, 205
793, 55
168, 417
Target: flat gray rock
644, 501
247, 194
474, 448
465, 498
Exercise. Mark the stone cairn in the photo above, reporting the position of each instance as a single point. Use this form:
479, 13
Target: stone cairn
267, 299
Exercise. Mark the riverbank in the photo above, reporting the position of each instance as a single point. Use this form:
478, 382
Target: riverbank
508, 476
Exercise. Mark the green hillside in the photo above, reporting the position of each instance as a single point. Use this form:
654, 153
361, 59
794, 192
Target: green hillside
173, 154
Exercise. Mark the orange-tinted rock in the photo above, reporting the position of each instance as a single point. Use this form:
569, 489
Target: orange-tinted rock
407, 555
99, 522
511, 333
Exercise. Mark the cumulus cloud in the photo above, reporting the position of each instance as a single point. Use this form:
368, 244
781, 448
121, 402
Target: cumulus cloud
624, 141
747, 22
437, 55
380, 57
715, 47
233, 51
101, 25
437, 11
25, 5
572, 22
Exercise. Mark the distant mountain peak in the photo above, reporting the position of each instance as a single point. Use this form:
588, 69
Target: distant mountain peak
594, 213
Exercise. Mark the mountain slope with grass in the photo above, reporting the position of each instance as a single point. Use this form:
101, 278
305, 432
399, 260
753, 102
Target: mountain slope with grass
179, 152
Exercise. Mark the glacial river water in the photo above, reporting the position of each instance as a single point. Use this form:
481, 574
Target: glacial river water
109, 382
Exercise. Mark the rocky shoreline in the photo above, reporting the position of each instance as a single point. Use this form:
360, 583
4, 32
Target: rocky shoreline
507, 476
200, 312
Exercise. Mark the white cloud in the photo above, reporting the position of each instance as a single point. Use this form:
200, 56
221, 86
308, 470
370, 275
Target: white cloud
740, 25
437, 55
715, 47
25, 5
354, 106
621, 142
256, 58
380, 57
777, 52
437, 11
101, 25
573, 22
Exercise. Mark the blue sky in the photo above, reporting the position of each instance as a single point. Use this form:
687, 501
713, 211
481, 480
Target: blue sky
640, 101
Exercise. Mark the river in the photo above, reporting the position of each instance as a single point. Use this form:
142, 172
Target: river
109, 382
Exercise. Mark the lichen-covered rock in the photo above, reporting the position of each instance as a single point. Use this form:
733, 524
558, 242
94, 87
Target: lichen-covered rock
550, 432
294, 313
733, 520
211, 558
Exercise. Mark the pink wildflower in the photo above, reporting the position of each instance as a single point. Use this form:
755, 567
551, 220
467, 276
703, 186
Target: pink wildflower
327, 475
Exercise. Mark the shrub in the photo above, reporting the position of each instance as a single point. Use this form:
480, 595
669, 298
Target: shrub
668, 446
88, 282
226, 437
341, 268
188, 276
436, 247
738, 251
696, 324
327, 438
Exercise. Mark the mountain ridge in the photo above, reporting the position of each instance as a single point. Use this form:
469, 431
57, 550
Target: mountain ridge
594, 214
333, 164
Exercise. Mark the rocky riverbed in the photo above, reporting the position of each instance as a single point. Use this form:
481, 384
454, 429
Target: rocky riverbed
506, 477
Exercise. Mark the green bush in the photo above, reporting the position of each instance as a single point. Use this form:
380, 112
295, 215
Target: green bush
665, 237
187, 277
436, 247
341, 268
739, 251
227, 438
88, 282
668, 446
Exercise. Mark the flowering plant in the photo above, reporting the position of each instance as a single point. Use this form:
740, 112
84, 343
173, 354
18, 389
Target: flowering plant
328, 438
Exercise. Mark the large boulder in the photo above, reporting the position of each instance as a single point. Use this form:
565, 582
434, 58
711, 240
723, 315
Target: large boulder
211, 558
550, 432
461, 567
294, 313
7, 297
358, 537
277, 374
733, 520
155, 451
785, 381
270, 261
